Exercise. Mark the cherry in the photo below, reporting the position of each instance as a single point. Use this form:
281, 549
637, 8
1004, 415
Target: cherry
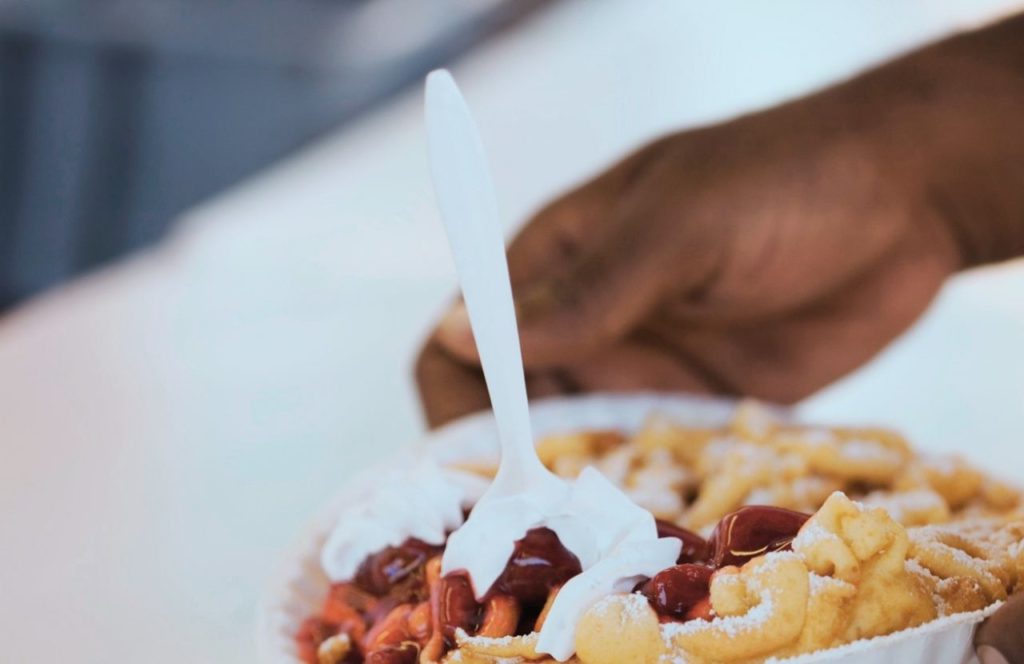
456, 607
676, 590
701, 611
695, 548
397, 566
753, 530
538, 564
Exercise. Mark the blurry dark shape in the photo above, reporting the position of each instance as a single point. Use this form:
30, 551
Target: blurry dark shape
115, 116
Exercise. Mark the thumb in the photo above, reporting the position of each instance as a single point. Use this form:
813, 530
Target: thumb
588, 268
603, 296
572, 304
1000, 640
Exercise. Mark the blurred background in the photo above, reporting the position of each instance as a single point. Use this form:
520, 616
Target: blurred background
219, 253
120, 114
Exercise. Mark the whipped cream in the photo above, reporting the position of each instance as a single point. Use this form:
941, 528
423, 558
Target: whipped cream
421, 500
625, 565
615, 540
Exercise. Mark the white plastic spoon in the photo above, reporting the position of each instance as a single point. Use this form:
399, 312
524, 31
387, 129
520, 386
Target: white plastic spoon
469, 209
592, 518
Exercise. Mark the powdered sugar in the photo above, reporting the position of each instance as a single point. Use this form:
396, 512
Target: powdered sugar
902, 505
629, 608
869, 450
749, 622
820, 584
463, 637
931, 536
733, 626
812, 533
816, 437
459, 656
946, 465
917, 569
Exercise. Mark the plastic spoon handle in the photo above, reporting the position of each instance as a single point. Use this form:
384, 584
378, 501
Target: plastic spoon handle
469, 209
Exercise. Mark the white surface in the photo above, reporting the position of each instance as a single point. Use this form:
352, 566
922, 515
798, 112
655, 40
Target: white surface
168, 425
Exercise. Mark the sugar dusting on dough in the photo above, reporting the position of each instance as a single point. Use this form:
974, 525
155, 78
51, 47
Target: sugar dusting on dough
811, 534
732, 625
914, 567
901, 505
629, 608
736, 626
820, 584
463, 637
869, 450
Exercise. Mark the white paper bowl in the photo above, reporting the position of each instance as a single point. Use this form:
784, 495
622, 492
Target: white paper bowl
299, 589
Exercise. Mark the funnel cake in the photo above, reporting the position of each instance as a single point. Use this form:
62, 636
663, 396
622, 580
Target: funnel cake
793, 539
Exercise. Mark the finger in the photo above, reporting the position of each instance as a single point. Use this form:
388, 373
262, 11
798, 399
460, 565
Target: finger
1000, 639
450, 389
589, 304
542, 251
577, 270
789, 357
557, 235
637, 364
605, 294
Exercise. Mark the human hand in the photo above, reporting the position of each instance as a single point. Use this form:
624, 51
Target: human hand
1000, 640
772, 254
767, 256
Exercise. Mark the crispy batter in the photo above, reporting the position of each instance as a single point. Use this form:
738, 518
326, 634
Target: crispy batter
851, 575
694, 476
895, 541
335, 649
866, 548
508, 647
948, 554
762, 608
866, 574
619, 628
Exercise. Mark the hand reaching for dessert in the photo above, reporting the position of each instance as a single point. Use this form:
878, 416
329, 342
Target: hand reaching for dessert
771, 254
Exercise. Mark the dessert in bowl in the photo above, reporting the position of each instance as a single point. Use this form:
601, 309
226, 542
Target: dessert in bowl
790, 540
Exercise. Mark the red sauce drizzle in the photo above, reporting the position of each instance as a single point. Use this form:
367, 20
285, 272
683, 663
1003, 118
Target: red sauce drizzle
753, 531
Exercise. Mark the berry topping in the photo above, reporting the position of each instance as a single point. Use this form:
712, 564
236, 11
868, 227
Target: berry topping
538, 564
752, 531
397, 571
677, 590
695, 548
456, 607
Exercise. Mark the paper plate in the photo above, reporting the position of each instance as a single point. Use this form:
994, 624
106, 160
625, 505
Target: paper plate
299, 589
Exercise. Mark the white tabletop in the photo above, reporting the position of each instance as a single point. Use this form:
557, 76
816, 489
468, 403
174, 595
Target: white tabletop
168, 424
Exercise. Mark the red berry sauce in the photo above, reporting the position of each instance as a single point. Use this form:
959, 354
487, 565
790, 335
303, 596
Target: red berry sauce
695, 548
538, 564
676, 590
752, 531
396, 576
